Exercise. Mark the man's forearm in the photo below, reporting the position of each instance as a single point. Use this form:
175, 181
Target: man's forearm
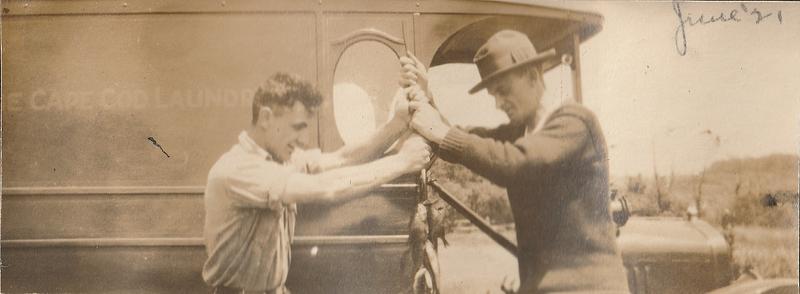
344, 183
366, 150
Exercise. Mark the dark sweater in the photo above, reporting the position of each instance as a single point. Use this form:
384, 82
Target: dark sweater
557, 181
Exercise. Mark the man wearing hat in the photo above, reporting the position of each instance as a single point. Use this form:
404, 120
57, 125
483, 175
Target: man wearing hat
555, 169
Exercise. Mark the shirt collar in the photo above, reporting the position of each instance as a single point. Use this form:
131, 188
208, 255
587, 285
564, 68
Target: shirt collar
545, 115
249, 145
539, 124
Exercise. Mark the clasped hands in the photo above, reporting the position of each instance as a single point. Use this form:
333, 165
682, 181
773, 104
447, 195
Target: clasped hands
425, 118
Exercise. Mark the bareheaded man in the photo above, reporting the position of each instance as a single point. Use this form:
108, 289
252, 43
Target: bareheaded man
253, 189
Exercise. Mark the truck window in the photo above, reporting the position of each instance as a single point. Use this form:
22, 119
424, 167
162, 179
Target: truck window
364, 87
450, 82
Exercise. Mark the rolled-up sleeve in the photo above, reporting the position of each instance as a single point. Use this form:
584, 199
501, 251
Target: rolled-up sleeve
258, 184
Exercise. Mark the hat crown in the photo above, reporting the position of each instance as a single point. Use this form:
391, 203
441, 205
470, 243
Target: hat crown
506, 43
504, 51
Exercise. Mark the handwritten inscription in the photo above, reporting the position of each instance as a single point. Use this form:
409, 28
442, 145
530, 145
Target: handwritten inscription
738, 14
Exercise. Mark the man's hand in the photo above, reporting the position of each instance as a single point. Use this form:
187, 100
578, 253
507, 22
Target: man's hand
416, 94
510, 287
427, 121
415, 152
402, 113
414, 73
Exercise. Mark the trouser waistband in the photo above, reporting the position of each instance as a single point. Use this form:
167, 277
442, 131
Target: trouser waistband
232, 290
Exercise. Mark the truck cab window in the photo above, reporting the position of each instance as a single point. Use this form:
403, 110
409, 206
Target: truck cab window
364, 87
450, 82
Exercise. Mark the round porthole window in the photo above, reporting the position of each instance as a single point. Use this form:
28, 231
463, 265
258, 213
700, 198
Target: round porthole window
364, 88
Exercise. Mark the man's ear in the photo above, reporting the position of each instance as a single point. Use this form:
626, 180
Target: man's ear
536, 75
540, 74
265, 114
541, 78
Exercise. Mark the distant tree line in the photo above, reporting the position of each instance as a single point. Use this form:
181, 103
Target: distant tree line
488, 200
743, 191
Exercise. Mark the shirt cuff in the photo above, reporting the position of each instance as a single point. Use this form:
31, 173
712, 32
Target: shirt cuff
454, 144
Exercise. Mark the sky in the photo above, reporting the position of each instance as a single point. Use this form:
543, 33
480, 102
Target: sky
735, 93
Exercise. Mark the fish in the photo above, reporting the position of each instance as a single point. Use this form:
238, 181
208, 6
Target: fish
436, 213
418, 234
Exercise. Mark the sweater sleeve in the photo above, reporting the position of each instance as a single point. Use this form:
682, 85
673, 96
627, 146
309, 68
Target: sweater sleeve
560, 142
504, 132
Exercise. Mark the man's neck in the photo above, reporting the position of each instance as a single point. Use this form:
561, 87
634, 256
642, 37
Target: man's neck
256, 136
259, 139
534, 119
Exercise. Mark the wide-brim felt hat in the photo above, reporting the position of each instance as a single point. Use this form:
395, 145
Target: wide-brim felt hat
503, 52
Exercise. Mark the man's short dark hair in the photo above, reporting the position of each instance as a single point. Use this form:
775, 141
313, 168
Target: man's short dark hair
283, 90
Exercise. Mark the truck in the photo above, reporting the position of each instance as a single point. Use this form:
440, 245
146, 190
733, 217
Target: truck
114, 111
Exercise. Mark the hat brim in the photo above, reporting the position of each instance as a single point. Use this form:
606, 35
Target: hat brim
538, 59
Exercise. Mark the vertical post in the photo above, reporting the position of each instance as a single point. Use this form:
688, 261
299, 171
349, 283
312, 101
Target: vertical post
576, 68
422, 186
324, 74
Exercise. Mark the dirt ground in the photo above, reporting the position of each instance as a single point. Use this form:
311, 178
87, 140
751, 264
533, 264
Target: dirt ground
473, 263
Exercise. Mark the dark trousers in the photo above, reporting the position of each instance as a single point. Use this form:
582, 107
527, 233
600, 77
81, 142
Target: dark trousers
231, 290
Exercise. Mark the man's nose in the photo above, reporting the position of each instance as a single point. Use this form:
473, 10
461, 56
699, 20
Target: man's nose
302, 142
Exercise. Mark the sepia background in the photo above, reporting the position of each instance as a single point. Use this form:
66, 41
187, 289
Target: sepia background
715, 130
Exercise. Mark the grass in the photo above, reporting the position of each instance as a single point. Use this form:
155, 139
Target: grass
773, 252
